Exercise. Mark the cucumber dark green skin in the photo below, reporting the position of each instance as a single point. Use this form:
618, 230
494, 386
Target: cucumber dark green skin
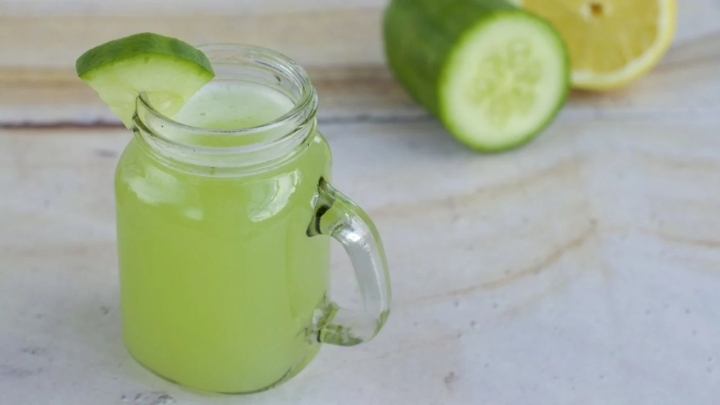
128, 46
419, 35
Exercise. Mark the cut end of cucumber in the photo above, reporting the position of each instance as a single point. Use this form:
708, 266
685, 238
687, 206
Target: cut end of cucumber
169, 70
504, 81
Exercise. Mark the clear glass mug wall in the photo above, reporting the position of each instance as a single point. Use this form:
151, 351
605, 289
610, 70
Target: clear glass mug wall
223, 213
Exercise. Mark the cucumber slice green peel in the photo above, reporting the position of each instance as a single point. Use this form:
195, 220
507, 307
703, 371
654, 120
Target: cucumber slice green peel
169, 70
494, 75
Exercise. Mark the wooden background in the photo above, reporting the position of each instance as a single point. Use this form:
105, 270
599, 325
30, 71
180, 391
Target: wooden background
338, 41
583, 268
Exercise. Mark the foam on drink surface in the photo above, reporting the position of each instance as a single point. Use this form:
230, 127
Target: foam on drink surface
233, 105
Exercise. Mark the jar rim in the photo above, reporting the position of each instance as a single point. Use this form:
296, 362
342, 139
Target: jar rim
303, 108
276, 139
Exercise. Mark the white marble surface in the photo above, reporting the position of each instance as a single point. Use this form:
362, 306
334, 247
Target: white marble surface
583, 268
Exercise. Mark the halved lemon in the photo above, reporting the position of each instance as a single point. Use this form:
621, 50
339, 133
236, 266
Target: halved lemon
611, 42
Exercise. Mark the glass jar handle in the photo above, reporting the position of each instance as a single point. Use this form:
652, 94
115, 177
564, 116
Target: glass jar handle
337, 216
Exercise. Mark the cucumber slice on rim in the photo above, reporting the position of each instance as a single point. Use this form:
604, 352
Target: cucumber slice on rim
493, 74
169, 70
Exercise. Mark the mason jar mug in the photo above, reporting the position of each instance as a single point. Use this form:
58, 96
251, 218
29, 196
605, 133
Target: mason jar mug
223, 217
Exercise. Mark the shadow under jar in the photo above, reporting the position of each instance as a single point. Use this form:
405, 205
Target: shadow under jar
222, 216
